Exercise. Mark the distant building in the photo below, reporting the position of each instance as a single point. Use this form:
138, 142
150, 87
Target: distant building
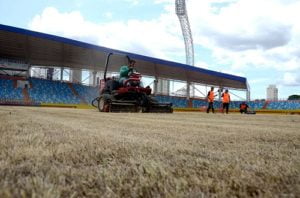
272, 92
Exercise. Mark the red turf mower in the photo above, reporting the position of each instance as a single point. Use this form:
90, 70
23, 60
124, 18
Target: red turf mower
127, 97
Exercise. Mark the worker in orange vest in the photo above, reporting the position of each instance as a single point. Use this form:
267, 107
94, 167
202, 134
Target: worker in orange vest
210, 99
226, 100
244, 107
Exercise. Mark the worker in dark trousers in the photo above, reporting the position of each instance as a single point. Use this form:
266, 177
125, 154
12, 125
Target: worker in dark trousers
244, 108
210, 100
225, 101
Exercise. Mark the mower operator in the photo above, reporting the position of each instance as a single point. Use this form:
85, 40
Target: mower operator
126, 70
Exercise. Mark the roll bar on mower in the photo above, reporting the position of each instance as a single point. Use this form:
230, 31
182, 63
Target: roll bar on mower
107, 62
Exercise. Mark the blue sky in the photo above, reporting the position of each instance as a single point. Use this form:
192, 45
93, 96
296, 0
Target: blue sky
259, 40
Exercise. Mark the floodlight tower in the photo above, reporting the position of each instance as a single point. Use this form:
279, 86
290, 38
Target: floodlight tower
186, 30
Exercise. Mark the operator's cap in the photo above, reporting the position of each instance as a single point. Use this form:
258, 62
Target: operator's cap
132, 61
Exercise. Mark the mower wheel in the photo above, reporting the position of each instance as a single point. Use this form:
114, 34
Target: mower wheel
103, 105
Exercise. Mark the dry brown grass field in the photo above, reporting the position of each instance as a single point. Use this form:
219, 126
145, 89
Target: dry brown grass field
55, 152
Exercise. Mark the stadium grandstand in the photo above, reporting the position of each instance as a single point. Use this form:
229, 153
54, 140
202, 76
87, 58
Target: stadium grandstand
39, 69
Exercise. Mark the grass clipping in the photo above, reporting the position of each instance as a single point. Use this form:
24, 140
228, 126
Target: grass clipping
51, 152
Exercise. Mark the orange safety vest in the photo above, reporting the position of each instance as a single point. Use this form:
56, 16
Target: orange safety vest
211, 96
243, 106
226, 97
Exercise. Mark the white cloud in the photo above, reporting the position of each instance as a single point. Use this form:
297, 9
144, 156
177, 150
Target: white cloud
291, 79
70, 25
249, 33
156, 37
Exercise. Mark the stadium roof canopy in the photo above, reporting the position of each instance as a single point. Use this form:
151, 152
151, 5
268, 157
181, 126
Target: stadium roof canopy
38, 48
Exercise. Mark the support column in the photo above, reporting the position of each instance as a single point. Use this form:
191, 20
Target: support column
220, 90
248, 96
163, 86
94, 78
188, 84
76, 76
155, 85
193, 90
168, 87
61, 74
28, 71
188, 96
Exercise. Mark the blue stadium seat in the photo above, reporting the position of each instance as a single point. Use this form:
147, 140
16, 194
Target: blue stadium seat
256, 104
46, 91
176, 101
86, 92
199, 103
284, 105
8, 92
204, 103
